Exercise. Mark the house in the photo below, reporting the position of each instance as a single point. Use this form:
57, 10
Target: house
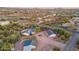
66, 25
24, 22
50, 33
77, 27
54, 14
29, 45
75, 20
27, 32
4, 23
47, 19
39, 20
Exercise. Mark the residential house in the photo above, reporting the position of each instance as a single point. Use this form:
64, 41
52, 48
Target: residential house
51, 33
39, 20
27, 32
66, 25
48, 20
75, 20
77, 28
4, 23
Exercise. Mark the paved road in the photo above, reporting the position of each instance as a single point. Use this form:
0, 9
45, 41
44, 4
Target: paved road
72, 42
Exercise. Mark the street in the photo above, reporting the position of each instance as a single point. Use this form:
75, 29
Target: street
72, 41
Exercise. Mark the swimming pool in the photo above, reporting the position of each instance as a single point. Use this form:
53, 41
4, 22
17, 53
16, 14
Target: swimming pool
28, 45
27, 42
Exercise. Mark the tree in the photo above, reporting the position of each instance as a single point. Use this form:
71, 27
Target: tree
56, 49
13, 38
37, 29
6, 46
2, 19
78, 41
77, 44
62, 37
61, 31
64, 34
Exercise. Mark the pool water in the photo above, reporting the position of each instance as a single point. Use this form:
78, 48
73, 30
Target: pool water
27, 42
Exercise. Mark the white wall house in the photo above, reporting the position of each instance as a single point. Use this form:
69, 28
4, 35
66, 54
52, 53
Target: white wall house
27, 32
4, 23
66, 24
51, 33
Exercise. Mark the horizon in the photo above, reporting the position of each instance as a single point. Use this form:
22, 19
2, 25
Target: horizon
43, 7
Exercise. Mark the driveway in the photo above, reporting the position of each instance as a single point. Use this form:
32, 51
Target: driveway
44, 42
19, 46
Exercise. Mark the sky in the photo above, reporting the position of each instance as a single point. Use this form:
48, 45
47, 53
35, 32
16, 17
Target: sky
39, 3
